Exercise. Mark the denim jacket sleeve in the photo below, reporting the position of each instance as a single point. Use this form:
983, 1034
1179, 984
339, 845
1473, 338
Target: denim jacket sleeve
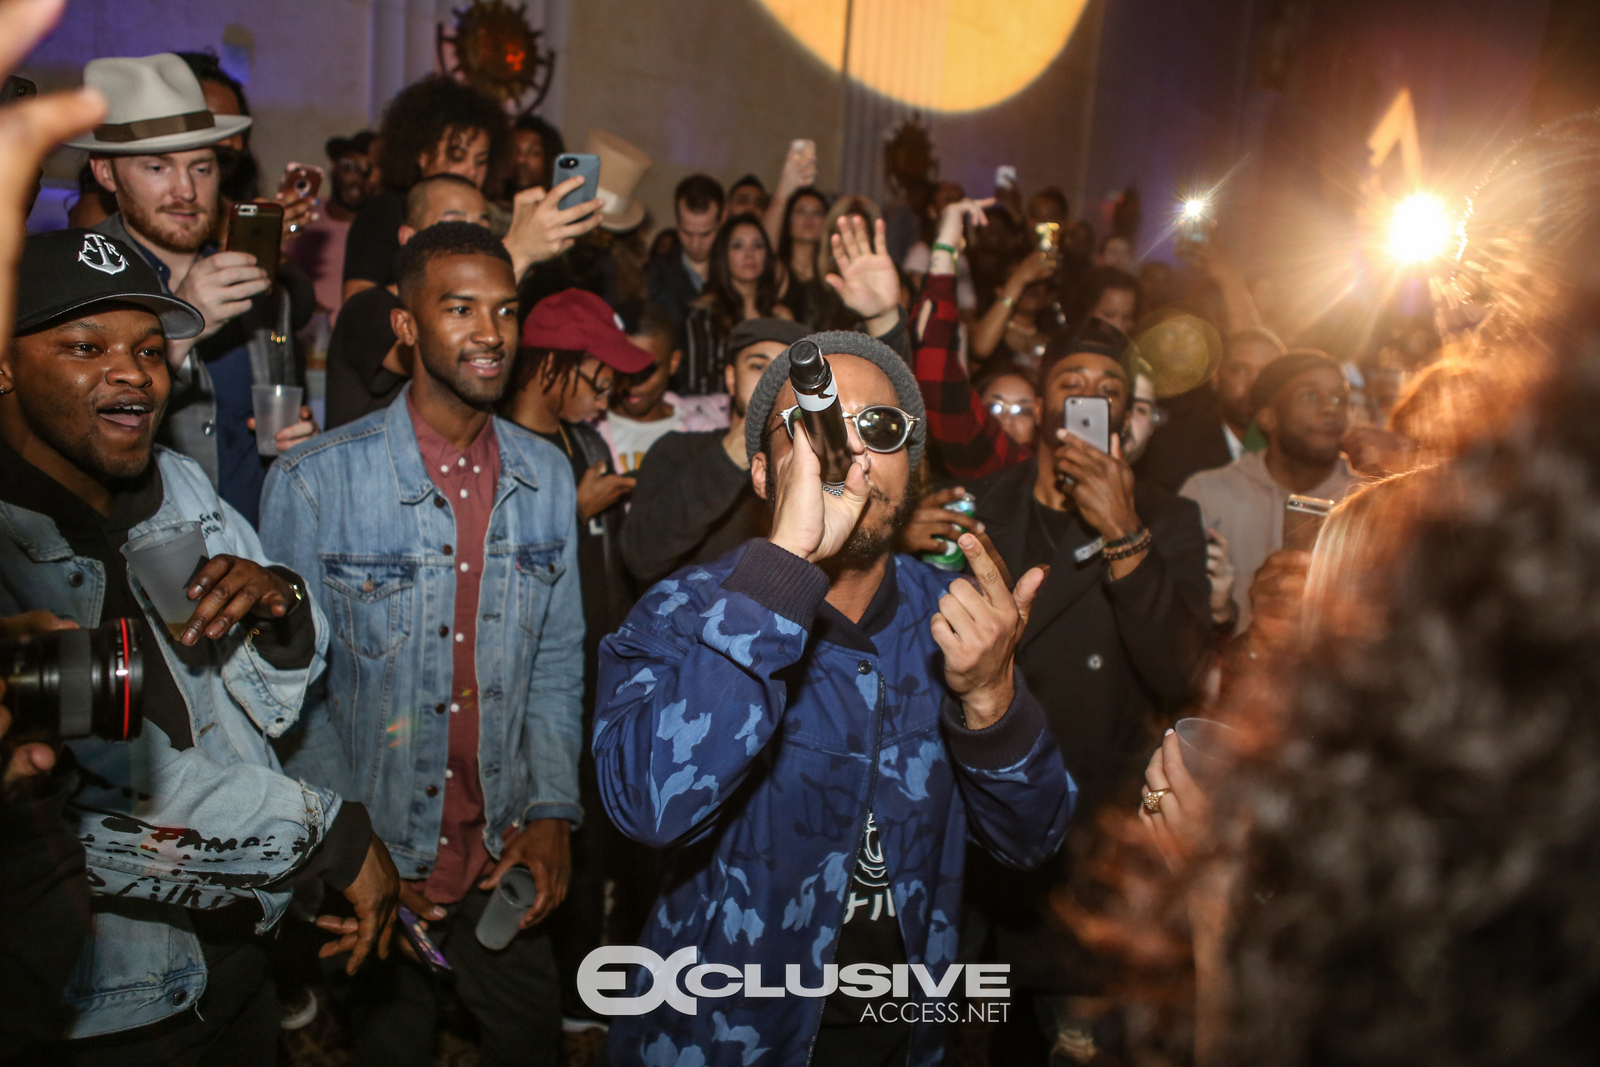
553, 733
272, 696
205, 833
687, 699
217, 821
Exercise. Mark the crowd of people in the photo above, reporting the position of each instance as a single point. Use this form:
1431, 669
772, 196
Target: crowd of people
551, 594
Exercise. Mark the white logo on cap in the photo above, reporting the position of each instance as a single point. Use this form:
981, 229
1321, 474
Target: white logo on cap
102, 255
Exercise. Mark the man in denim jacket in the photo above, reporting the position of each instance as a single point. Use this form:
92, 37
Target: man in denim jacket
193, 834
812, 726
442, 543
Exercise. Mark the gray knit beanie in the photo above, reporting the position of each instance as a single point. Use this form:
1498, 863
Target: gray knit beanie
850, 343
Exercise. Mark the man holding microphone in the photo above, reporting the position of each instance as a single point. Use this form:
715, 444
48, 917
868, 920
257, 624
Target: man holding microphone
811, 727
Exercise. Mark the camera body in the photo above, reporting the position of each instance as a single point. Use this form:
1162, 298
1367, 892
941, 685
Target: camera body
71, 684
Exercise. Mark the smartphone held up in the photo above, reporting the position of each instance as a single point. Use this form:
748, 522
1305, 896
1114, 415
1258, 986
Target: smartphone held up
256, 227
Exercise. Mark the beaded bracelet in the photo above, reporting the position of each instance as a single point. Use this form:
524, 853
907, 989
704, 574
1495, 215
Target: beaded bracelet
1129, 546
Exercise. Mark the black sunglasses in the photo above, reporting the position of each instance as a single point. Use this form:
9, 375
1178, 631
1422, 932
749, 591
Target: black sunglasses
881, 427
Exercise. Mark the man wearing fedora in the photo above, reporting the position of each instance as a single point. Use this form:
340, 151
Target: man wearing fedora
156, 152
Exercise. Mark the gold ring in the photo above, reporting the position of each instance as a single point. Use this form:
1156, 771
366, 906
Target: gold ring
1152, 799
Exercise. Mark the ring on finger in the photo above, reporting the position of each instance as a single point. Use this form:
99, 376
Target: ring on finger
1152, 799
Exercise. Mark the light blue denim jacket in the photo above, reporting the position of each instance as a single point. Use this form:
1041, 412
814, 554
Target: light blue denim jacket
168, 830
357, 515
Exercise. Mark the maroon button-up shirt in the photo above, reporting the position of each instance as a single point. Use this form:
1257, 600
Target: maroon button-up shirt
467, 479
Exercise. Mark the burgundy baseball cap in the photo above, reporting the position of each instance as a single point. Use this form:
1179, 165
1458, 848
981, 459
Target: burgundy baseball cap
579, 320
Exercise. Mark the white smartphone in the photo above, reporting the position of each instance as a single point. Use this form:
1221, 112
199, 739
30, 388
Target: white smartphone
1088, 418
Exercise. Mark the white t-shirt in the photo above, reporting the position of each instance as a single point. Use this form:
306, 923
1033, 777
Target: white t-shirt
631, 439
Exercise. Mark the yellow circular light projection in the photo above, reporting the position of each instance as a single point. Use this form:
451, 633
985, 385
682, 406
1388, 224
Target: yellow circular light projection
942, 55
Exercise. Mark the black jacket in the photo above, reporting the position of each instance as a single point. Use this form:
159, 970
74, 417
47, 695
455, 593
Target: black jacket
1193, 441
691, 504
1111, 662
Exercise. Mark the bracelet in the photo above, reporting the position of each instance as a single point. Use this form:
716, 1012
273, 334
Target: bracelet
1007, 300
1129, 546
940, 246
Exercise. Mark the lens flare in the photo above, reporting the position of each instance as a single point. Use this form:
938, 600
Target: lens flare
1195, 208
1419, 229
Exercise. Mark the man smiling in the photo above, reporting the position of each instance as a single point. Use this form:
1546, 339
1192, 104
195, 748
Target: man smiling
82, 389
443, 543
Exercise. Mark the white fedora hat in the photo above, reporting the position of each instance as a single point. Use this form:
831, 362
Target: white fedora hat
157, 106
621, 167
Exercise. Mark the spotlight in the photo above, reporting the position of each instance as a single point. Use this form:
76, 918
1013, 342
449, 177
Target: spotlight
1196, 208
1419, 229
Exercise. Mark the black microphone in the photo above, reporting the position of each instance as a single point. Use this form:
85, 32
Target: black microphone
820, 413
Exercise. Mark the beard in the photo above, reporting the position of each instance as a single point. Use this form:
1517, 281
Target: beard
1298, 448
866, 543
450, 370
86, 451
158, 227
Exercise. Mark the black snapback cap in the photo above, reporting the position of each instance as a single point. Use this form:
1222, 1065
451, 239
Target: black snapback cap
66, 270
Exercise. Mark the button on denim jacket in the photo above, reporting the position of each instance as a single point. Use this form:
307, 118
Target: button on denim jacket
357, 515
168, 830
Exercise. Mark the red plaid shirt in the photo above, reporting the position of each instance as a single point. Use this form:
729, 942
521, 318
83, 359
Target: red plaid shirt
971, 440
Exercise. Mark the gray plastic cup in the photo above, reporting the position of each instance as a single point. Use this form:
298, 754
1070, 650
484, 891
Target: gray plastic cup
277, 407
162, 562
512, 898
1209, 747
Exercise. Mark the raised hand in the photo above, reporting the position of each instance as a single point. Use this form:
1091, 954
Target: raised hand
541, 229
867, 281
952, 222
807, 521
29, 129
978, 627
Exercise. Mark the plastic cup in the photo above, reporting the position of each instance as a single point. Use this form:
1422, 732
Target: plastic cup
1209, 748
162, 562
277, 407
512, 898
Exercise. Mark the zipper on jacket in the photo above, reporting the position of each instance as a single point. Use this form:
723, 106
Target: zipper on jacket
861, 833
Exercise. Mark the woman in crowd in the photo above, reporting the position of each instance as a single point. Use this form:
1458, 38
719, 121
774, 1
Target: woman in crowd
1402, 865
743, 284
799, 248
434, 126
1014, 329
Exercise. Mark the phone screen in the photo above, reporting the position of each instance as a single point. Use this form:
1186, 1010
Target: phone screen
1088, 418
427, 951
256, 227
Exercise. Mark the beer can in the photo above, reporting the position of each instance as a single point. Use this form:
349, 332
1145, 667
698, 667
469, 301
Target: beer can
952, 558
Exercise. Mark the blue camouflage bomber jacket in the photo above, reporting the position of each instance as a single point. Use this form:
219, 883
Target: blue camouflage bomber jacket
734, 734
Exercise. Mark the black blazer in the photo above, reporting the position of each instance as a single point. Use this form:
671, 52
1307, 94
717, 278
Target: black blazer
1110, 663
1107, 660
1193, 441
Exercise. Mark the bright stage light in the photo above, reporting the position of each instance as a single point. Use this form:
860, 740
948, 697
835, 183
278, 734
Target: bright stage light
1419, 229
1195, 208
942, 55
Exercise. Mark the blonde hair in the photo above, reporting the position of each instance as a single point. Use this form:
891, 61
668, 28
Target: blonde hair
1361, 537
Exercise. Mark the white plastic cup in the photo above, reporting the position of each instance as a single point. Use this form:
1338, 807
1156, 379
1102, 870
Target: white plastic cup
1209, 747
163, 562
277, 407
512, 898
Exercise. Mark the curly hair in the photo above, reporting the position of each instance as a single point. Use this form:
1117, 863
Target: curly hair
438, 241
727, 305
1419, 821
424, 113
